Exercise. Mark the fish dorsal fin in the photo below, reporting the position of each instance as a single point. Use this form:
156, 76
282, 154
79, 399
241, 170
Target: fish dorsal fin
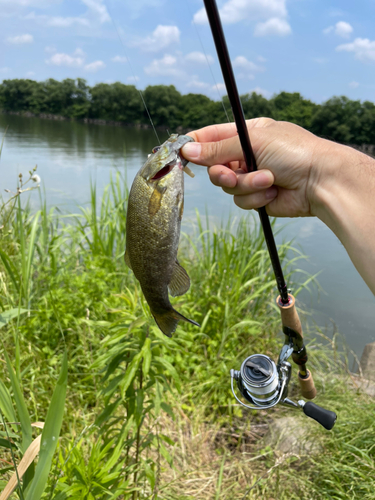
180, 281
127, 260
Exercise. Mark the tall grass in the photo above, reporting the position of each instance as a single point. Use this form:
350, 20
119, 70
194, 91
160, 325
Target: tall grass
148, 417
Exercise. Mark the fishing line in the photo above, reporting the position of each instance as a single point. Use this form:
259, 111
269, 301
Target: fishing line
239, 117
208, 64
132, 71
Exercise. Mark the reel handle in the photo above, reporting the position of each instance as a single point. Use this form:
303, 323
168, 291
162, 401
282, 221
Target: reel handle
324, 417
290, 319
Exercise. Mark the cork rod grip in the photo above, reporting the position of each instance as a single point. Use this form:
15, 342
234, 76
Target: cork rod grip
290, 319
289, 314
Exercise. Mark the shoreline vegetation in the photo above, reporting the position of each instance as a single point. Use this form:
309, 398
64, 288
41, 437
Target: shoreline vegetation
339, 118
147, 417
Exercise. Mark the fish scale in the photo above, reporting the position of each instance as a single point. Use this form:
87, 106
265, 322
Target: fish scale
153, 225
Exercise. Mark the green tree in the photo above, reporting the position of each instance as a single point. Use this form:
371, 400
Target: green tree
255, 105
366, 135
19, 95
165, 106
196, 111
292, 107
338, 119
117, 102
70, 98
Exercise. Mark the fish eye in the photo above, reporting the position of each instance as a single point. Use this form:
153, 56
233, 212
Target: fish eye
155, 149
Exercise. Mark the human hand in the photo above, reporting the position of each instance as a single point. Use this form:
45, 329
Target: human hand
289, 166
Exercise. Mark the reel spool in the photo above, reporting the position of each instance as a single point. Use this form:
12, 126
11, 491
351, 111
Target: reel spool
260, 379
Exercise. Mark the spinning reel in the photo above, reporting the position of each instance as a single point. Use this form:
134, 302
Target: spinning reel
264, 384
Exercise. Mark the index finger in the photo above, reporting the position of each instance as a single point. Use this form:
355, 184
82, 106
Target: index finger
215, 133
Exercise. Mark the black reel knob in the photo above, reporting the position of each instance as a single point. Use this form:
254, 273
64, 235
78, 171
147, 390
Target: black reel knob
324, 417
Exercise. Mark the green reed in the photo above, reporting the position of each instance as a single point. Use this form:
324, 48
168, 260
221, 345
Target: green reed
132, 393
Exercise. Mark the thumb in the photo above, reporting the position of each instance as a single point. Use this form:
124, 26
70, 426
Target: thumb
213, 153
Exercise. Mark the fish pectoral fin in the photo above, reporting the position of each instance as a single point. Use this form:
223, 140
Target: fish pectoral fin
127, 260
180, 281
155, 200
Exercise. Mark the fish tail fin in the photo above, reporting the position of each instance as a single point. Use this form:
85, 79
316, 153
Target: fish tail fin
168, 321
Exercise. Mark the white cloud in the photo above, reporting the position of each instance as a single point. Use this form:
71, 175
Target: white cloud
242, 63
167, 66
162, 37
353, 85
265, 93
65, 60
197, 84
220, 87
20, 39
336, 13
57, 21
274, 26
28, 3
119, 59
341, 28
50, 49
132, 80
99, 9
320, 60
94, 66
67, 22
79, 52
363, 48
30, 73
199, 58
235, 11
247, 67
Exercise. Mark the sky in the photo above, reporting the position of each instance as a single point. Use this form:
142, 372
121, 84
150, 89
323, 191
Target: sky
320, 48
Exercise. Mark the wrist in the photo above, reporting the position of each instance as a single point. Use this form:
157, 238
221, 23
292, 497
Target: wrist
342, 180
343, 197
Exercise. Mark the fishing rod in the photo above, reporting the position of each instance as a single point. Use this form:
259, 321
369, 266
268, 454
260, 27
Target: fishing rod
261, 382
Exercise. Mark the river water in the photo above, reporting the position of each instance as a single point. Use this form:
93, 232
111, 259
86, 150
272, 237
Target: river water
69, 155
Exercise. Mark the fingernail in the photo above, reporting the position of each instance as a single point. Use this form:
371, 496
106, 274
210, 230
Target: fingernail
271, 193
262, 180
191, 150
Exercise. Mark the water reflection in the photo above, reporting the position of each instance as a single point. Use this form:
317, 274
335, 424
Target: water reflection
70, 154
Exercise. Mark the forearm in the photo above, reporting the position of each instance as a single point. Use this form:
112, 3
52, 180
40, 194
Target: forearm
345, 201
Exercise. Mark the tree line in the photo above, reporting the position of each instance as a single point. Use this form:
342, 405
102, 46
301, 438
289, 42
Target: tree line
340, 118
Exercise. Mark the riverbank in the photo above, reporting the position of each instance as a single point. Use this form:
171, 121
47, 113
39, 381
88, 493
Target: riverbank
129, 416
368, 149
92, 121
339, 118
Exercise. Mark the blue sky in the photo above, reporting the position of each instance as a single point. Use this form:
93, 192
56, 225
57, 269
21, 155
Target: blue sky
315, 47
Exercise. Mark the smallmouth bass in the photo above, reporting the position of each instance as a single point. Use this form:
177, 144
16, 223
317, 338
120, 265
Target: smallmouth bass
155, 207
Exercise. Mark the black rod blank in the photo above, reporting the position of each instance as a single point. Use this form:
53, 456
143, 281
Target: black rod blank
239, 118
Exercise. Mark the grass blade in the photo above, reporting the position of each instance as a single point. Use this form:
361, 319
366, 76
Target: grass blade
23, 466
12, 271
50, 434
10, 314
6, 404
21, 407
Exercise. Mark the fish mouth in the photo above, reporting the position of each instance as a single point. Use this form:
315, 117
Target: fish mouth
164, 171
